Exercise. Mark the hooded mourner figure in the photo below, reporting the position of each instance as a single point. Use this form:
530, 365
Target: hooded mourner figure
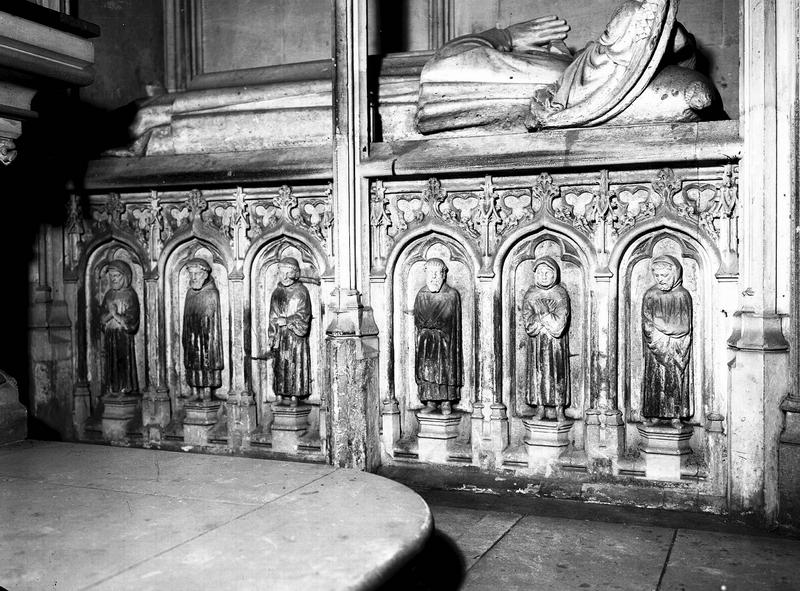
120, 323
202, 331
545, 317
667, 336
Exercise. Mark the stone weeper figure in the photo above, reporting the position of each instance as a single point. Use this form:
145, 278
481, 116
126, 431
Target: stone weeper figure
439, 368
289, 326
667, 336
545, 317
120, 323
202, 331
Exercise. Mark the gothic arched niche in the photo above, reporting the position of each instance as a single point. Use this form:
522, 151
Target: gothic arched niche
115, 321
408, 279
264, 279
517, 280
176, 284
636, 277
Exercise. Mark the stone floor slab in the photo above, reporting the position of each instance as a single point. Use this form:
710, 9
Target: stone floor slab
549, 553
64, 537
181, 475
708, 560
473, 531
371, 523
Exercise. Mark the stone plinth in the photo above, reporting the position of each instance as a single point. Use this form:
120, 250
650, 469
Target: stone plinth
199, 419
390, 425
665, 450
13, 415
121, 417
289, 424
545, 439
437, 435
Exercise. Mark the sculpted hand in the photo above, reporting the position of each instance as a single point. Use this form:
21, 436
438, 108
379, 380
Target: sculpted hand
532, 34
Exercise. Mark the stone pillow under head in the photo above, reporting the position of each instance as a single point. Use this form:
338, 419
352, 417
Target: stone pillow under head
674, 94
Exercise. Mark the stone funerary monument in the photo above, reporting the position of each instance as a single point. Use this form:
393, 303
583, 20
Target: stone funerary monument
526, 249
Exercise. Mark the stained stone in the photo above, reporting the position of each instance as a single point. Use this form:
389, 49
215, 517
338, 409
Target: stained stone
549, 553
709, 560
474, 532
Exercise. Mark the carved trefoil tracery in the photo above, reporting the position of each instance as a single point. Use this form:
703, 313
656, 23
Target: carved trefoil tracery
602, 206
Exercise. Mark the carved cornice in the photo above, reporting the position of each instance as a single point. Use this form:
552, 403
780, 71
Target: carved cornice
238, 217
603, 207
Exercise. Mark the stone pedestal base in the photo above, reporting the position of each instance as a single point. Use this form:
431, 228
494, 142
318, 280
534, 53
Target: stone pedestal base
121, 417
289, 424
199, 419
546, 440
13, 415
241, 419
157, 409
81, 409
390, 425
605, 436
665, 450
437, 435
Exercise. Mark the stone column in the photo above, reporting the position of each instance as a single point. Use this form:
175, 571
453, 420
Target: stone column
351, 337
788, 35
760, 367
241, 404
156, 403
50, 342
605, 427
489, 438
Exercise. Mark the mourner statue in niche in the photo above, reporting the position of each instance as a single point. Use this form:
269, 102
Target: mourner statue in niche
202, 331
120, 323
289, 326
641, 68
667, 334
439, 368
545, 316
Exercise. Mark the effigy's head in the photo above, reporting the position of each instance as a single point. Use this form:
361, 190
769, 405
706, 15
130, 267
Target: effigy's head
546, 272
199, 272
119, 274
288, 270
435, 274
667, 271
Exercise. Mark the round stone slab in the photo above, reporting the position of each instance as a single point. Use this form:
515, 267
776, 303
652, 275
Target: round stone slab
145, 519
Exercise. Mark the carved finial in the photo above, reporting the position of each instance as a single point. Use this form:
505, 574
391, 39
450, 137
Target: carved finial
197, 204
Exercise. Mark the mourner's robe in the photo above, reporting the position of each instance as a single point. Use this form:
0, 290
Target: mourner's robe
202, 336
291, 351
439, 369
120, 346
667, 336
545, 316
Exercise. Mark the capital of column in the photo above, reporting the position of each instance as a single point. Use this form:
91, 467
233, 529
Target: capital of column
350, 317
758, 332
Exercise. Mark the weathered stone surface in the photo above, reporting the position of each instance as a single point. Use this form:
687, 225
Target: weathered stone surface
539, 552
710, 560
13, 415
152, 519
